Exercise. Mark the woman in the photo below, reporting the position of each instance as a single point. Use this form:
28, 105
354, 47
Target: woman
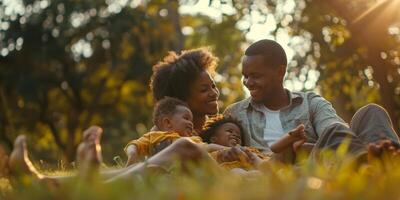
187, 76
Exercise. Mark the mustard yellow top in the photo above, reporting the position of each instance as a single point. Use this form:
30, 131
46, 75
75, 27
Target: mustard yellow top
242, 162
155, 141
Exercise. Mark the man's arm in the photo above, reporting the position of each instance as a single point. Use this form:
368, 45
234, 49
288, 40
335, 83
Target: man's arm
322, 114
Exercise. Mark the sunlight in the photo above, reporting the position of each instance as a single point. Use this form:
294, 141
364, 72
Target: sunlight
376, 21
215, 11
259, 27
391, 9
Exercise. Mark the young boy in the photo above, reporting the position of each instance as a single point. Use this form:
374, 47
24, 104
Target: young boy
227, 131
173, 120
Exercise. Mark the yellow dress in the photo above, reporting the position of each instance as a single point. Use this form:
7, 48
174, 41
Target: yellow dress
242, 162
155, 141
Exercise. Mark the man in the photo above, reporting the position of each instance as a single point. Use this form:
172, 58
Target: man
272, 110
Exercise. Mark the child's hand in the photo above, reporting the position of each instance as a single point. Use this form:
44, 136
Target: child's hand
132, 154
298, 133
254, 159
232, 154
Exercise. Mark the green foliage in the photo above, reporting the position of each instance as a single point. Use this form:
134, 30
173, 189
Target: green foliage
337, 176
66, 65
354, 70
350, 60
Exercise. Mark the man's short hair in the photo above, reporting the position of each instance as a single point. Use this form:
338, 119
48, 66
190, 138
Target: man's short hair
213, 123
273, 53
175, 74
166, 107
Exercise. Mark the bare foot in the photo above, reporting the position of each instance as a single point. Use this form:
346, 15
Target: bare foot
89, 155
298, 133
19, 163
298, 144
382, 150
288, 139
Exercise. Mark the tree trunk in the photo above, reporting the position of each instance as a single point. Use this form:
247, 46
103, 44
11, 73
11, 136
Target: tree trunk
172, 7
386, 89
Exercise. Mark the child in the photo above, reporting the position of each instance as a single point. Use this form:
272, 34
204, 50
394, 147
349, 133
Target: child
173, 120
227, 131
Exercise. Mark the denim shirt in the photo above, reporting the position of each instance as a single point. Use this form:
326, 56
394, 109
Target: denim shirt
308, 108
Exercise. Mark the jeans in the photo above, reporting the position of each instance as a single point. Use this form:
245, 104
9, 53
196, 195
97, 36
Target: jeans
369, 124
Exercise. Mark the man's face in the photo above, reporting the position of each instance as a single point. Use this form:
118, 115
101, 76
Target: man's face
261, 80
227, 134
181, 121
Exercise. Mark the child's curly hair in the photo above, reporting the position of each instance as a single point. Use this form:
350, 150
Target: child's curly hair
212, 124
166, 106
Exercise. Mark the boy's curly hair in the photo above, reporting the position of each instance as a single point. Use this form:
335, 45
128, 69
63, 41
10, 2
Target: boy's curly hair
164, 107
213, 123
175, 74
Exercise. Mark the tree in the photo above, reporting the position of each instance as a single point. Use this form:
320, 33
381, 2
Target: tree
349, 49
357, 51
66, 65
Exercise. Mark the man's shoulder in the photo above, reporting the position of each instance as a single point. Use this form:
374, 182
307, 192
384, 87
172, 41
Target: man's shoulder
309, 97
308, 94
237, 106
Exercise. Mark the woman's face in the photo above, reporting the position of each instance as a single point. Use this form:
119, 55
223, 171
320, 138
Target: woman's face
203, 96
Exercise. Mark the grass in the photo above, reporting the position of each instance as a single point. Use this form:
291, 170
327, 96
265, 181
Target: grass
335, 177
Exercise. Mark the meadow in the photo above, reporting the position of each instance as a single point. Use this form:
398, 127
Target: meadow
337, 176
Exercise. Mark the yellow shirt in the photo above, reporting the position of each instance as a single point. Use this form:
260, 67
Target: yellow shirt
242, 162
155, 141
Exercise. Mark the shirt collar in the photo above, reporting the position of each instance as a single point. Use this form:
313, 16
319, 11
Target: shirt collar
294, 98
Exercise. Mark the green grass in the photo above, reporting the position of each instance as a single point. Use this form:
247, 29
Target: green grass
335, 177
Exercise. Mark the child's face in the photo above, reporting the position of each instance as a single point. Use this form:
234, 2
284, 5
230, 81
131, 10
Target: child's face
181, 121
227, 134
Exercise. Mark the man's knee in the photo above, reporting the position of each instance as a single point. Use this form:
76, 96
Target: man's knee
373, 107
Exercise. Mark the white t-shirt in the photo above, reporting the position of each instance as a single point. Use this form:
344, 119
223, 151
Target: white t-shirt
273, 127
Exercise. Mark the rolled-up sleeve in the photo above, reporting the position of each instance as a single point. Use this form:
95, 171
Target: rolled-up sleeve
322, 113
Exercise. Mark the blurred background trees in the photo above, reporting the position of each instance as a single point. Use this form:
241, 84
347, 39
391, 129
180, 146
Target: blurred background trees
65, 65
